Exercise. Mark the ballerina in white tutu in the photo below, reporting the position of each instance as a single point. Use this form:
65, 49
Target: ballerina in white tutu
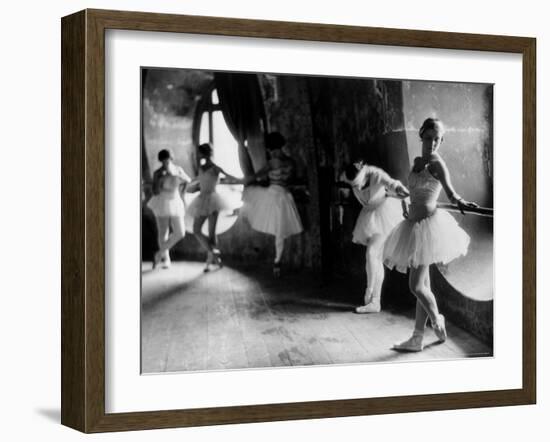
208, 204
272, 210
167, 206
429, 235
374, 189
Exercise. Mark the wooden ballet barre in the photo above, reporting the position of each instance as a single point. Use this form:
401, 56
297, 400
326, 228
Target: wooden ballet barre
481, 211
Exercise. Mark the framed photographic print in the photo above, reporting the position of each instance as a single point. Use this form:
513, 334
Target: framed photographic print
268, 221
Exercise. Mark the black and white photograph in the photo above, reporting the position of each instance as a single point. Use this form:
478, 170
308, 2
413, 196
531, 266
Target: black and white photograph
295, 220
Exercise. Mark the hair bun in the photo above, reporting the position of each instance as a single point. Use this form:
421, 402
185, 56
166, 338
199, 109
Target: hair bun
431, 123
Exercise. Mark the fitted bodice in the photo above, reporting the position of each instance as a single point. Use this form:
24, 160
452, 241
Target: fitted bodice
171, 180
280, 171
424, 191
208, 179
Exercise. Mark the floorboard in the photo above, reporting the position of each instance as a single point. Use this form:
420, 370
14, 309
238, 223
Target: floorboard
235, 318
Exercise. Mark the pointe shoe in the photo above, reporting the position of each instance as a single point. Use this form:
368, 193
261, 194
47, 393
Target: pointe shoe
439, 328
368, 296
209, 259
217, 255
277, 270
157, 259
371, 307
413, 344
166, 262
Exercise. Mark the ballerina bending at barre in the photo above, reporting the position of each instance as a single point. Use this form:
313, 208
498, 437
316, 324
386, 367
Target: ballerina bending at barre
208, 204
272, 210
373, 188
429, 235
167, 206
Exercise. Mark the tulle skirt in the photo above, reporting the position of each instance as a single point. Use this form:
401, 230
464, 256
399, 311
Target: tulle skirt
271, 210
207, 203
164, 205
435, 239
380, 219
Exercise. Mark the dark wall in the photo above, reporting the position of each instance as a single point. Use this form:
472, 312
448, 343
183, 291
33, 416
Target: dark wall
288, 111
328, 123
353, 119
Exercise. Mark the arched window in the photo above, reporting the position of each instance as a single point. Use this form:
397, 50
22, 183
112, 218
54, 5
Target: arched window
213, 130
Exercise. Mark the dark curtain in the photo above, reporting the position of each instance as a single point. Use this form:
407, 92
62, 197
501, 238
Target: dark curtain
243, 110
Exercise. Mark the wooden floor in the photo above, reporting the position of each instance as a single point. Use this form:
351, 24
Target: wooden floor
244, 318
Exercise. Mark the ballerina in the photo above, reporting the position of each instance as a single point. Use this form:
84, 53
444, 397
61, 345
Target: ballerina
208, 204
429, 235
380, 214
272, 210
167, 206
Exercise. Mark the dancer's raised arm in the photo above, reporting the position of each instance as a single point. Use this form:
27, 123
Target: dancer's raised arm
228, 176
439, 169
376, 175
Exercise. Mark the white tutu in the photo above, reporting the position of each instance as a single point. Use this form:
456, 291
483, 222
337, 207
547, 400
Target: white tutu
380, 219
207, 203
165, 204
251, 195
435, 239
271, 210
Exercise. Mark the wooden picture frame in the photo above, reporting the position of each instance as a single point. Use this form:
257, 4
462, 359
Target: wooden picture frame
83, 220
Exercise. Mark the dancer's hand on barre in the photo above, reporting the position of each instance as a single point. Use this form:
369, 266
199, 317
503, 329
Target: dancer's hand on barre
463, 204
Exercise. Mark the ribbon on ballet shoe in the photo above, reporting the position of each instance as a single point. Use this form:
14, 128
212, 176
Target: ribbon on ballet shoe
368, 296
439, 328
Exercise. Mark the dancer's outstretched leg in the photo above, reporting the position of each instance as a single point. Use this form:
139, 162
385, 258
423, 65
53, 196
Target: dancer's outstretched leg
203, 240
375, 275
415, 342
419, 283
212, 238
163, 231
279, 248
178, 232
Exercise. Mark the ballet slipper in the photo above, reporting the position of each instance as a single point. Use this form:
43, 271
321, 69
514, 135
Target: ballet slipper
217, 255
209, 259
413, 344
157, 259
439, 328
166, 262
371, 307
368, 296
